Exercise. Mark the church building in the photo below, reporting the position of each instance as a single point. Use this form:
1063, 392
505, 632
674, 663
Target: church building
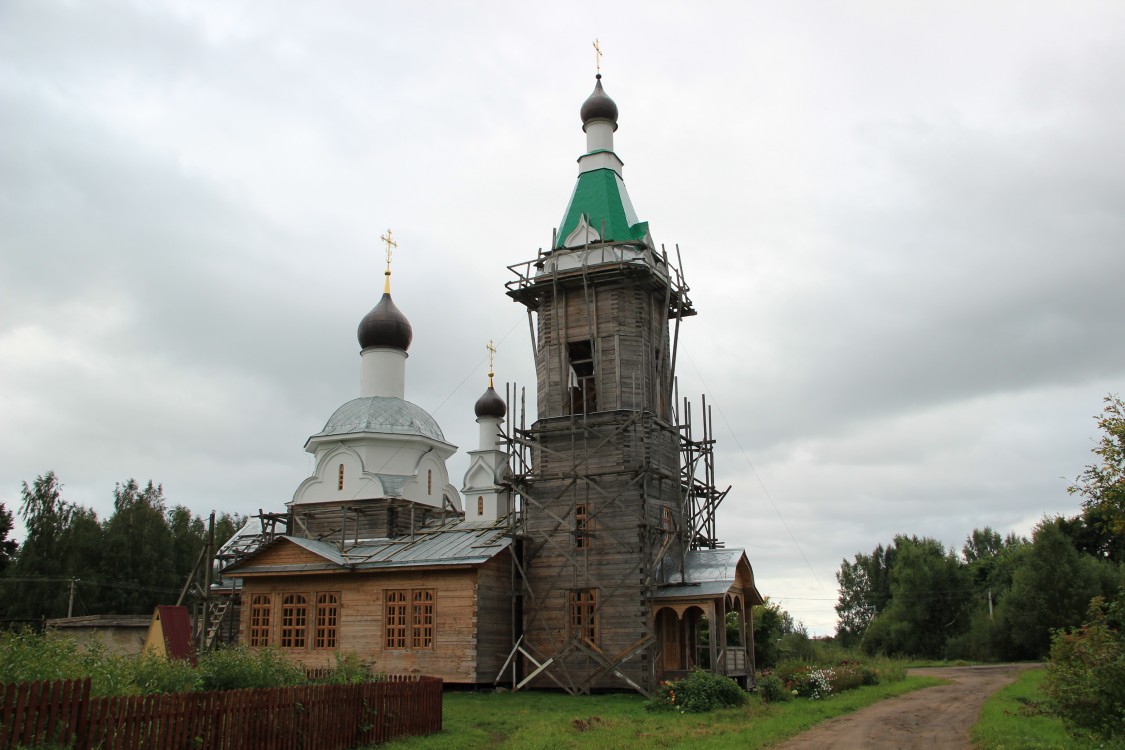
580, 553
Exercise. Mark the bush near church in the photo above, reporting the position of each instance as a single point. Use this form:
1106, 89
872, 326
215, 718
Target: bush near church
699, 692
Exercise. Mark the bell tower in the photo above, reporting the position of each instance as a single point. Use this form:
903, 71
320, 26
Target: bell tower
604, 511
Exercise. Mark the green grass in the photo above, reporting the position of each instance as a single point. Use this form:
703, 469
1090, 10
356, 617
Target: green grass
543, 721
1008, 720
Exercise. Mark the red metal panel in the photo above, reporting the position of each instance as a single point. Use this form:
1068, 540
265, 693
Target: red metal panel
176, 626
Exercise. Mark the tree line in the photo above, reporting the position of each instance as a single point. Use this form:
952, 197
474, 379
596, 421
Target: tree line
1000, 597
70, 561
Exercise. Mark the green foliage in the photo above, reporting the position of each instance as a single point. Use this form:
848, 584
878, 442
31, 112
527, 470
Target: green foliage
797, 646
155, 674
928, 602
1102, 485
351, 670
865, 591
138, 558
771, 625
1013, 717
236, 667
1086, 674
26, 656
699, 692
61, 538
8, 547
1051, 588
137, 550
772, 689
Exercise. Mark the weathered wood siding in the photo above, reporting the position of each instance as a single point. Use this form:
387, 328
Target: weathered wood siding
494, 617
629, 328
456, 652
619, 461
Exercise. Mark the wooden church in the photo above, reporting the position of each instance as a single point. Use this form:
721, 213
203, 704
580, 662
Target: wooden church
580, 553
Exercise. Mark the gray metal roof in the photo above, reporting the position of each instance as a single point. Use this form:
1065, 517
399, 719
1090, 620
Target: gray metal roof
455, 543
708, 572
458, 543
381, 414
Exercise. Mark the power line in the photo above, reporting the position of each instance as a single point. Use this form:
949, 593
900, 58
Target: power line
754, 471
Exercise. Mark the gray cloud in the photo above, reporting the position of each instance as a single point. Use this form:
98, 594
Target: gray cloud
903, 240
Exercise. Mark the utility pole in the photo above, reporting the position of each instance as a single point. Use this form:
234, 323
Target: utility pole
990, 605
70, 601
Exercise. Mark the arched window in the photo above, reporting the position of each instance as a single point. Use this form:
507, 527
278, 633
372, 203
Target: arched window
260, 620
327, 615
422, 619
294, 620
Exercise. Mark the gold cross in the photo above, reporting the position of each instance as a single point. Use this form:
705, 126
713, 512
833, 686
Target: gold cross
597, 56
491, 360
388, 238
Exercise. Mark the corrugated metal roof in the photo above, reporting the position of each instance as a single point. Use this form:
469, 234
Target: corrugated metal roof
707, 572
455, 543
175, 626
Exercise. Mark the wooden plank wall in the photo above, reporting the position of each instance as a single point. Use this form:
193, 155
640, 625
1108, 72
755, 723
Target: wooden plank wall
629, 326
457, 592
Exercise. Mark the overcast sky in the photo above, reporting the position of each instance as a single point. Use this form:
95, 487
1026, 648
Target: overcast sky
903, 225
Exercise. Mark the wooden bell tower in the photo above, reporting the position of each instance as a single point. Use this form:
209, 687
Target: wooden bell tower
604, 507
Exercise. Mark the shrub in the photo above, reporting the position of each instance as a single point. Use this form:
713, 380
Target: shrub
1085, 681
26, 656
238, 667
351, 670
848, 675
772, 689
697, 693
155, 674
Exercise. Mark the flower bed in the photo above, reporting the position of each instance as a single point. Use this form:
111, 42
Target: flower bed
815, 682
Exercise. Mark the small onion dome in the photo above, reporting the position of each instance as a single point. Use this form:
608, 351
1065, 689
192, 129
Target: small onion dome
491, 405
385, 326
598, 106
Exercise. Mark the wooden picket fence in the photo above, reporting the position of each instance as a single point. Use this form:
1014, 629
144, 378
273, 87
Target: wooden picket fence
310, 717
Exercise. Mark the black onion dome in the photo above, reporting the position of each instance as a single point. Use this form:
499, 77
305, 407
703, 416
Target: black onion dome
598, 106
385, 326
491, 405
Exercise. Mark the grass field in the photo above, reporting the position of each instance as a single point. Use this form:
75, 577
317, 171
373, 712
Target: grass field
542, 721
1009, 721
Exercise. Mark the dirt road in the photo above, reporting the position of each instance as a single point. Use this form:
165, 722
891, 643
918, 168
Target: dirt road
936, 718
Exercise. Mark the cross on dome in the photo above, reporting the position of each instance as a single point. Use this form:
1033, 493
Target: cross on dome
389, 240
491, 361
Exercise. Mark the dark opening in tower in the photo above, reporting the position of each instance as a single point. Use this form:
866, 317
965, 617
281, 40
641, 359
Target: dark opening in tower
583, 388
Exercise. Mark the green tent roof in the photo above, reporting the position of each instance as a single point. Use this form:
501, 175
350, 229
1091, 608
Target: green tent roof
600, 196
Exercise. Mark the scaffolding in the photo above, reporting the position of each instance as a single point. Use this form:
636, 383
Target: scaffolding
214, 601
634, 482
